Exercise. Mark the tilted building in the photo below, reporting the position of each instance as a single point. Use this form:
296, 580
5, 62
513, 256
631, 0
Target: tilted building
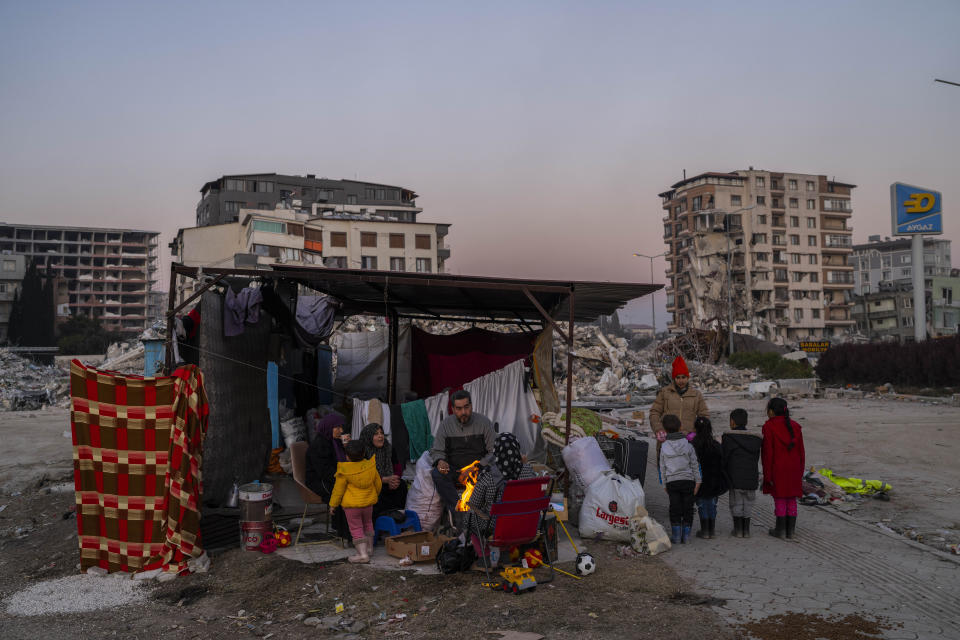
766, 250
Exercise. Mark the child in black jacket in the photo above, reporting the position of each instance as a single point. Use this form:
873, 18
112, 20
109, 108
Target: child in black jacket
714, 484
741, 455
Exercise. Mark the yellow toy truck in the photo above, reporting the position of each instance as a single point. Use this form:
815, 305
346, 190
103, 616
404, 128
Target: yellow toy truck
517, 579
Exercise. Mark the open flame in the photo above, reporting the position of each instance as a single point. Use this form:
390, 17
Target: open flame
468, 478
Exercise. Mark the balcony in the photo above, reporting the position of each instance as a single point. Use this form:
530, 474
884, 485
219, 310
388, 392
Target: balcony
443, 253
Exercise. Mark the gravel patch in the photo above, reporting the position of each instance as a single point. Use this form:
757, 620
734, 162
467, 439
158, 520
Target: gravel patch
75, 594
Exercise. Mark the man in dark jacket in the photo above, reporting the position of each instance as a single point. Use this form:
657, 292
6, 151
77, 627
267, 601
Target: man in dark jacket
463, 438
741, 455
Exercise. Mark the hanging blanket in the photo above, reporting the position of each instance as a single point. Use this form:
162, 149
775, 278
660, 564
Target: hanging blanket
137, 453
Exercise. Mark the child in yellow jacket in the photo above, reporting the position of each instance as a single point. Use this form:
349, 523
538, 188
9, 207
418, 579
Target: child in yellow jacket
357, 489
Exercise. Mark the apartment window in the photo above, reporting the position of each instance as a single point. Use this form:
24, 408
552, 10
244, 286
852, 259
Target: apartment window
232, 207
368, 239
778, 240
368, 262
697, 203
907, 272
812, 258
792, 184
798, 315
797, 295
9, 265
762, 219
763, 256
735, 201
265, 250
811, 241
811, 223
269, 226
762, 200
422, 241
234, 185
759, 238
264, 187
369, 193
794, 258
352, 199
774, 183
290, 254
797, 276
811, 204
814, 277
397, 241
794, 203
760, 182
905, 259
779, 275
338, 239
815, 313
811, 186
335, 262
794, 221
423, 265
776, 203
946, 294
397, 264
795, 240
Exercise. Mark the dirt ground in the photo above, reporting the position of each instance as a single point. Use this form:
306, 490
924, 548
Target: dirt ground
913, 446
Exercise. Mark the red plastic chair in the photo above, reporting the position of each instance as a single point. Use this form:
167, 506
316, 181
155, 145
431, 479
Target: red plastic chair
518, 512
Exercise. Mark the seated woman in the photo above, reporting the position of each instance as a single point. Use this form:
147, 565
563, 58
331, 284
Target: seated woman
324, 453
508, 465
393, 496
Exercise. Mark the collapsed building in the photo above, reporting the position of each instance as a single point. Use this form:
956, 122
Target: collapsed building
763, 252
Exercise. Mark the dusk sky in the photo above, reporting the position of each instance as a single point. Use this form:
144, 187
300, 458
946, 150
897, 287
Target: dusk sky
542, 131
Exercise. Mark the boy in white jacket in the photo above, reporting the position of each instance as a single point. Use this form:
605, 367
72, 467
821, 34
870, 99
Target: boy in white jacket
680, 475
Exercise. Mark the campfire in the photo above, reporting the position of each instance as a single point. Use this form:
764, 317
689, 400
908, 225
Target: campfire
468, 478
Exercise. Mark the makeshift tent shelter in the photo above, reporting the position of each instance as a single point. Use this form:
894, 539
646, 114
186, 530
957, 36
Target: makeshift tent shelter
530, 304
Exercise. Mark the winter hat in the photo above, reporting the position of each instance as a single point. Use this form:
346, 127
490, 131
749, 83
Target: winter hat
679, 368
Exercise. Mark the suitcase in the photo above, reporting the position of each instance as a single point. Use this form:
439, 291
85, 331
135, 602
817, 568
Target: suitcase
630, 458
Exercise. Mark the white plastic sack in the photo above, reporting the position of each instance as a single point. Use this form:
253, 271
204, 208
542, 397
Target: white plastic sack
585, 460
610, 503
656, 538
423, 497
293, 430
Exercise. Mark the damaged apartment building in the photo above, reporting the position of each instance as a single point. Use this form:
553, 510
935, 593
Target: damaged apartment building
764, 251
267, 218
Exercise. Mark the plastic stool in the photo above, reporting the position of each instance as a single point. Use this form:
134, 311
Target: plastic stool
389, 526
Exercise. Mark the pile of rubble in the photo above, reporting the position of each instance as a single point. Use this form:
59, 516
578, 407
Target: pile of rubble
606, 366
27, 386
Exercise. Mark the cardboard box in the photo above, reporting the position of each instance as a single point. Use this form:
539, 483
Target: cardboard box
419, 545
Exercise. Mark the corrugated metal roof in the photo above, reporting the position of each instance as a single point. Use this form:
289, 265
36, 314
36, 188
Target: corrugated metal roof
453, 296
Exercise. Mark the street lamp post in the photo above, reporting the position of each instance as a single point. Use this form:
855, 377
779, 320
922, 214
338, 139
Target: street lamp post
653, 303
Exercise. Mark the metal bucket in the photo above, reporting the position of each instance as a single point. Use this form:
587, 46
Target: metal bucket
256, 506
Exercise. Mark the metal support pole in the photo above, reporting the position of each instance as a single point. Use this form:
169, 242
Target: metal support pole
171, 302
919, 294
393, 352
653, 303
566, 439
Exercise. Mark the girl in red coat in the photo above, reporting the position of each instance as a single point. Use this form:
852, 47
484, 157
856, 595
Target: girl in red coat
783, 466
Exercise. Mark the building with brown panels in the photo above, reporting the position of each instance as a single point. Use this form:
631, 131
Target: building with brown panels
766, 251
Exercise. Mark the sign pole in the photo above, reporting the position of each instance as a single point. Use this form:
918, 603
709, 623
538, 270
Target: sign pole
919, 293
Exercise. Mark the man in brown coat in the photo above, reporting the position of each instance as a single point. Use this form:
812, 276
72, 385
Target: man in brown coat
679, 399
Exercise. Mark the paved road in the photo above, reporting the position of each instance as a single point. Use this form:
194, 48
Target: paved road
836, 566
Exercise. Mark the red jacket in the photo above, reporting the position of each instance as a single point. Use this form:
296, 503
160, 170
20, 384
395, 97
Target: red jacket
783, 464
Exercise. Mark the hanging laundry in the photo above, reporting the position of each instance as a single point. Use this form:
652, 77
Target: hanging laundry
239, 309
437, 410
375, 413
418, 427
505, 398
315, 314
359, 419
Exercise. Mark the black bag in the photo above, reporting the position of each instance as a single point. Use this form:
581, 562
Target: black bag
455, 556
630, 458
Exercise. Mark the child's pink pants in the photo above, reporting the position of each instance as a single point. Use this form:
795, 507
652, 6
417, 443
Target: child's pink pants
784, 507
360, 520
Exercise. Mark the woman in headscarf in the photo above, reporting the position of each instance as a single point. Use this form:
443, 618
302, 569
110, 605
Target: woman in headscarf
324, 453
393, 495
508, 464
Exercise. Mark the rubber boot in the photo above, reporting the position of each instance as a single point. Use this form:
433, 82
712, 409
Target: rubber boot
779, 529
791, 527
712, 527
675, 534
745, 524
704, 531
362, 556
685, 534
737, 527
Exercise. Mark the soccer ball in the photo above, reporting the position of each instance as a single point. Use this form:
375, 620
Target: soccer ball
585, 564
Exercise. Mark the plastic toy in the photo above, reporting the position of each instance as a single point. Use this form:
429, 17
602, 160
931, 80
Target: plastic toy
518, 579
269, 544
282, 536
533, 559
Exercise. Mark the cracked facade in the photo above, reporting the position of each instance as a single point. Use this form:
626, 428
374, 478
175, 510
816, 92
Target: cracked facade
768, 249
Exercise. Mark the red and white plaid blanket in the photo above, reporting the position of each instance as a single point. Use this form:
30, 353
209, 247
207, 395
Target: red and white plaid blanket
137, 453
